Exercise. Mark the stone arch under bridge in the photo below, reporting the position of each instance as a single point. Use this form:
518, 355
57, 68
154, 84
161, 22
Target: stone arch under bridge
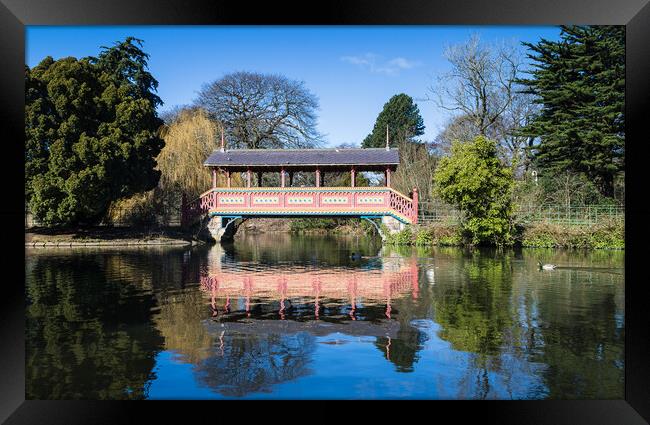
219, 228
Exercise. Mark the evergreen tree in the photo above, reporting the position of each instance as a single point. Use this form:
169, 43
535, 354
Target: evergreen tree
91, 133
403, 119
473, 179
579, 81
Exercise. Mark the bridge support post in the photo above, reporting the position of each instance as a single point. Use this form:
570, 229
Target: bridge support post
392, 224
415, 205
223, 228
379, 231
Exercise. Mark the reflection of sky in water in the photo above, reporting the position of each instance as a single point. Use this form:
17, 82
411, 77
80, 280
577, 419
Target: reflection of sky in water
351, 367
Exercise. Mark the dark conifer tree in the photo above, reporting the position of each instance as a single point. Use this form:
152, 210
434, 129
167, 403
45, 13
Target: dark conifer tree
91, 132
580, 83
402, 117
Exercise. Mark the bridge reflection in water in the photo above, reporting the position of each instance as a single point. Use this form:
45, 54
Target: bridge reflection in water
298, 298
396, 278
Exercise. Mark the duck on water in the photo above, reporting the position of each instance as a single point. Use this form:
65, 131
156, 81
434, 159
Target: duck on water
356, 256
546, 266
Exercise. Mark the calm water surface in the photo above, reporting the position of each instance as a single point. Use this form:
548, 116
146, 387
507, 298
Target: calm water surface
279, 316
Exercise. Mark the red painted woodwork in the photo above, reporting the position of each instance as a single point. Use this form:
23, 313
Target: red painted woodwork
290, 201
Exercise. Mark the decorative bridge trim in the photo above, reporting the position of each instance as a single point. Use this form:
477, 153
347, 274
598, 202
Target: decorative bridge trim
311, 201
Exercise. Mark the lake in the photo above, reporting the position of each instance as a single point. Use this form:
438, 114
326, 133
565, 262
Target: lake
290, 316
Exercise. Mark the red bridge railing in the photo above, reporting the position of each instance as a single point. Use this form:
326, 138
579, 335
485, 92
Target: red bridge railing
295, 201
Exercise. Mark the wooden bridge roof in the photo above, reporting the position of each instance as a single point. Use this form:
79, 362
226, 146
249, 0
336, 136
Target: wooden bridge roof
302, 157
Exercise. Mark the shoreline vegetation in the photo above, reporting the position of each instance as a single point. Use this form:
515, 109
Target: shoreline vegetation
40, 237
609, 235
605, 235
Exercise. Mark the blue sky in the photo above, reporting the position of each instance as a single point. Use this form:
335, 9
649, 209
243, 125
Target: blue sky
352, 70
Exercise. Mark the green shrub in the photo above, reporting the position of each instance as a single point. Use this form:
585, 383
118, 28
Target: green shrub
425, 237
475, 181
441, 235
609, 235
300, 225
405, 237
451, 240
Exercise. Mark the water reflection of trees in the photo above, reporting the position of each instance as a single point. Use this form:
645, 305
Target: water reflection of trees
245, 363
581, 340
88, 333
514, 320
304, 249
475, 314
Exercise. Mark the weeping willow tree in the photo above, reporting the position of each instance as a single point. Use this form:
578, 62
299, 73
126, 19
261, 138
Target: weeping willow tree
189, 138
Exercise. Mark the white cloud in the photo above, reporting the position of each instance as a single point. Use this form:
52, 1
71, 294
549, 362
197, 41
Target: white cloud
377, 65
366, 60
403, 63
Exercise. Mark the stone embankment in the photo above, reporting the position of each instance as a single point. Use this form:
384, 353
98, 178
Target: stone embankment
97, 237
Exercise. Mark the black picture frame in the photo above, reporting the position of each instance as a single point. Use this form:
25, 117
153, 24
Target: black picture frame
16, 14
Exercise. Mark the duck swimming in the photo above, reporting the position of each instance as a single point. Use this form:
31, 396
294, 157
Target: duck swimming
546, 266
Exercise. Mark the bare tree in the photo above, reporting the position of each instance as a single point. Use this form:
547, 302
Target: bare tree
481, 83
482, 91
458, 128
262, 110
513, 144
417, 165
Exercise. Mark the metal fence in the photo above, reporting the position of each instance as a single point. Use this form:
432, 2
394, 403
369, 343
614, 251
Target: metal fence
434, 212
570, 215
429, 213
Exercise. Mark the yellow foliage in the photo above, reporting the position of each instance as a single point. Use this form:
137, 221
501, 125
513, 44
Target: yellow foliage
189, 140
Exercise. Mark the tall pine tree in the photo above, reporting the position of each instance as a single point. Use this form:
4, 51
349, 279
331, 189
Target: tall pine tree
403, 119
580, 83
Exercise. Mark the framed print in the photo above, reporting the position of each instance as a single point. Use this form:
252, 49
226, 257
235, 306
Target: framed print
359, 201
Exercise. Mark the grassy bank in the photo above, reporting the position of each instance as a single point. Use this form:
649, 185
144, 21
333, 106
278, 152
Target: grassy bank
605, 235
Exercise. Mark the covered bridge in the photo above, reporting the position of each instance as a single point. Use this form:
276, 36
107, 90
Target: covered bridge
287, 200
